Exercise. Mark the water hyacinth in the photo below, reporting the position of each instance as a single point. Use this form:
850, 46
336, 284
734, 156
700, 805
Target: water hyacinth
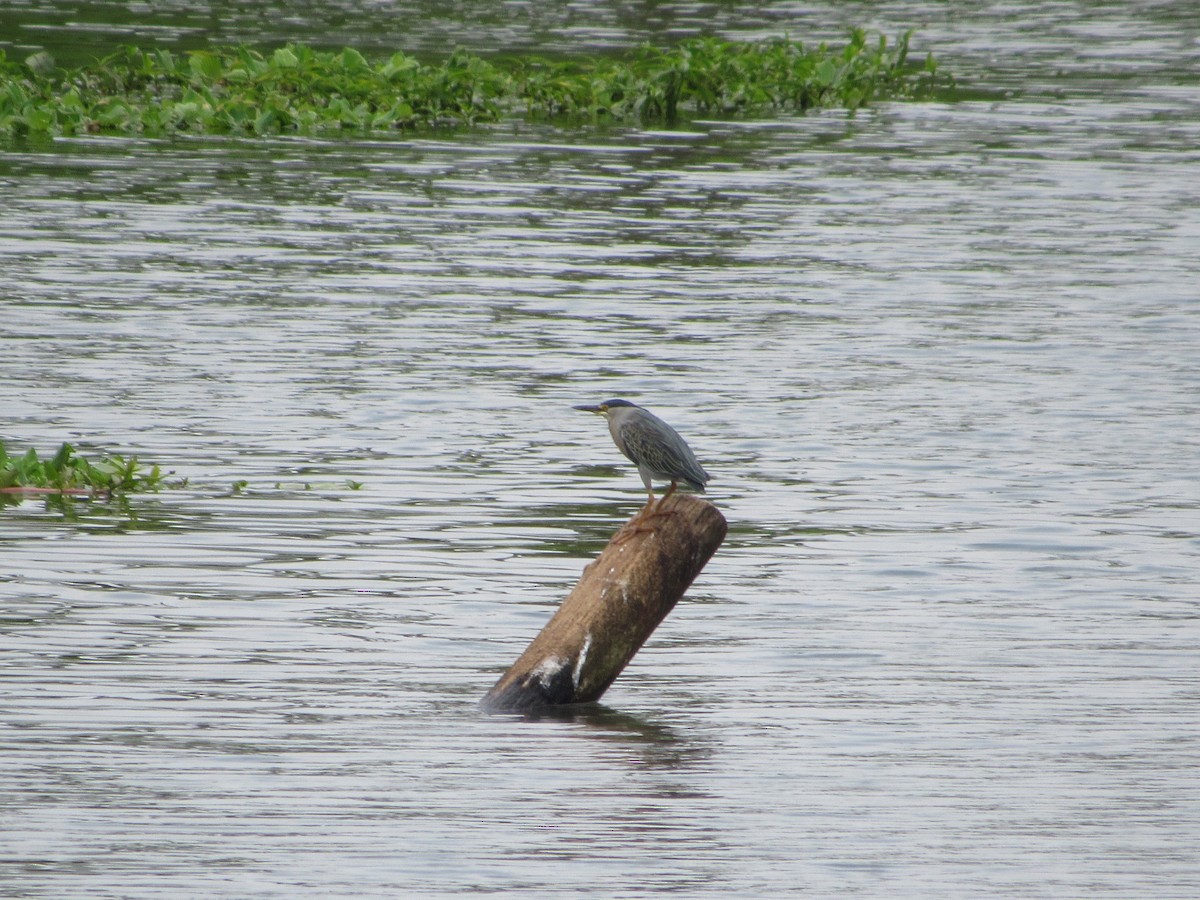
296, 89
68, 472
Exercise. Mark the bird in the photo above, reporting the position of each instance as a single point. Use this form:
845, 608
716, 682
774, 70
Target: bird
652, 445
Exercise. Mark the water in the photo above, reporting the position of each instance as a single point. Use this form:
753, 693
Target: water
940, 360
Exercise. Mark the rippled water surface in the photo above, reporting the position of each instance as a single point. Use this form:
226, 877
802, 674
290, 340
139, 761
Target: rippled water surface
942, 360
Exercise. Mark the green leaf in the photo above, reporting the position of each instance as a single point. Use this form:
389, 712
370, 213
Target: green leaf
285, 58
205, 65
826, 72
39, 118
353, 61
112, 111
63, 455
398, 64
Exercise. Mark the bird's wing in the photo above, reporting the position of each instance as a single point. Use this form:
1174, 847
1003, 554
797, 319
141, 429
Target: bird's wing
644, 446
655, 449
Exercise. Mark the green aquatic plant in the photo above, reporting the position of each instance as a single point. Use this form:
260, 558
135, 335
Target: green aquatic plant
68, 472
297, 89
242, 485
712, 76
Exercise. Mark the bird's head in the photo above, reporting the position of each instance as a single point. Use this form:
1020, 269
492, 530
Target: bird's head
602, 409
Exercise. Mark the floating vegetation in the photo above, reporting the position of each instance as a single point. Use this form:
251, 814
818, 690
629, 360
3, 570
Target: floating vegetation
708, 76
242, 485
69, 473
296, 89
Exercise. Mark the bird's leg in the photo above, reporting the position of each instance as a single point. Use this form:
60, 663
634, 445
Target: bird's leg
649, 505
650, 511
653, 512
635, 526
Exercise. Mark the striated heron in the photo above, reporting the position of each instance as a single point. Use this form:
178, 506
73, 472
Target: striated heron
656, 448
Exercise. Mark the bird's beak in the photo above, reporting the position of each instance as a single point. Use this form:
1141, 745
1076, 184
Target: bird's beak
598, 410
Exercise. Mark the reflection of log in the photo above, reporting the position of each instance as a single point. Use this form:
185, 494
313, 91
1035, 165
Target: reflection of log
617, 604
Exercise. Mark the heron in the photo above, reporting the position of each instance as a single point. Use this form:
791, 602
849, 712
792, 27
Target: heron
652, 445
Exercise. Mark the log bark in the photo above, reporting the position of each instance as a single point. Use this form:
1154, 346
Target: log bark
619, 601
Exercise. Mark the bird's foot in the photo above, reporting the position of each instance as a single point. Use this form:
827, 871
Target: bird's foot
636, 525
657, 511
643, 521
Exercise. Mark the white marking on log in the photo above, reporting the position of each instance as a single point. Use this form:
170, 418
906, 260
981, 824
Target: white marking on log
581, 659
623, 586
549, 667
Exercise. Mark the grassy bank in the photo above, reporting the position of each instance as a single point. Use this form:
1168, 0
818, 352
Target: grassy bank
296, 89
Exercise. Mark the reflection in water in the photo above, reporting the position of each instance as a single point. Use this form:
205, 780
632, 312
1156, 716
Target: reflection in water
940, 360
650, 742
118, 513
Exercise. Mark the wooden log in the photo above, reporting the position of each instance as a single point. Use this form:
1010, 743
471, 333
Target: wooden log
619, 601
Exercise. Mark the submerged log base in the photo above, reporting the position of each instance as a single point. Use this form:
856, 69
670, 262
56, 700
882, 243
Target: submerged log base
615, 607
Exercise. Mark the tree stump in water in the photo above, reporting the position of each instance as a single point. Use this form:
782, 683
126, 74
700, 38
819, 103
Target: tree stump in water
618, 602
